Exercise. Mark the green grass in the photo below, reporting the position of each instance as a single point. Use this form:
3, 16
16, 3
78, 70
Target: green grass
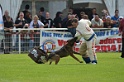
20, 68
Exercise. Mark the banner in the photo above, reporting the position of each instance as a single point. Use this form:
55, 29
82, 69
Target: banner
1, 24
53, 40
107, 40
1, 19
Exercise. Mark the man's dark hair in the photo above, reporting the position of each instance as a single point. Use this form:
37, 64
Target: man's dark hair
27, 6
93, 8
116, 10
42, 9
58, 13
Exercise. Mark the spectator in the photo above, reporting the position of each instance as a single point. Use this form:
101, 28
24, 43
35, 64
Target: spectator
121, 32
58, 20
120, 17
93, 14
108, 23
82, 14
103, 18
5, 16
48, 21
70, 25
41, 18
36, 23
8, 24
70, 11
105, 12
28, 17
19, 23
65, 20
97, 22
26, 11
115, 19
27, 38
43, 12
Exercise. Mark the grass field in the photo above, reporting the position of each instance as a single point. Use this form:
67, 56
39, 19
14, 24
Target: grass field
20, 68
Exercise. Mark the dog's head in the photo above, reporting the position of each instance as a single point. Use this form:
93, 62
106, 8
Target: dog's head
72, 41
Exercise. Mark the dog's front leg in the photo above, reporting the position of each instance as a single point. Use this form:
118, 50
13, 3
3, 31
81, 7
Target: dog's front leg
50, 63
72, 55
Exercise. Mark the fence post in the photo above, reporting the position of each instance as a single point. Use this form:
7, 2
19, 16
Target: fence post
40, 37
19, 44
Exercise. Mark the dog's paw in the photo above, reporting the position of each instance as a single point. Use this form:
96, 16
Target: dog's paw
81, 61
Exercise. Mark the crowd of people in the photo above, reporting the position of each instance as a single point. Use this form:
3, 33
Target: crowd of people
43, 20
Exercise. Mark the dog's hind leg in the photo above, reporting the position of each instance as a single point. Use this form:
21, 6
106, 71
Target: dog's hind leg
57, 58
50, 63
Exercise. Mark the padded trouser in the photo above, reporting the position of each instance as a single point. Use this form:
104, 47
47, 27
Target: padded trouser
87, 49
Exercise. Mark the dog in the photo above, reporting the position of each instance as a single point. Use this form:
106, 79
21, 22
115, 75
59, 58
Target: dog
38, 55
65, 51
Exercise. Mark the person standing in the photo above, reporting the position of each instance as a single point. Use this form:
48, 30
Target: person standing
19, 23
70, 27
48, 22
87, 49
115, 19
121, 32
97, 22
58, 20
93, 13
5, 16
8, 24
26, 11
36, 23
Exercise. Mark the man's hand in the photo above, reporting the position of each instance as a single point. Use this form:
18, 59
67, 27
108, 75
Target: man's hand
120, 34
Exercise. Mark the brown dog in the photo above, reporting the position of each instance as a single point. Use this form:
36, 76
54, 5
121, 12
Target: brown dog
66, 50
38, 55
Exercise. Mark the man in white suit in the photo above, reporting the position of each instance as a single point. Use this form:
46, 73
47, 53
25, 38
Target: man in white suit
87, 49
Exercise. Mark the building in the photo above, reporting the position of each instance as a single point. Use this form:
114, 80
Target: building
52, 6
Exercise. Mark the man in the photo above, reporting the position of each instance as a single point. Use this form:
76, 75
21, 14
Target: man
93, 13
70, 27
115, 19
58, 20
121, 32
26, 11
19, 23
87, 47
6, 14
48, 21
97, 22
8, 24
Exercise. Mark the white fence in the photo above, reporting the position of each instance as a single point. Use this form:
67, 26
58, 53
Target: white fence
23, 40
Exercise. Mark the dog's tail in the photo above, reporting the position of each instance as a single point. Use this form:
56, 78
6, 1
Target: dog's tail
50, 56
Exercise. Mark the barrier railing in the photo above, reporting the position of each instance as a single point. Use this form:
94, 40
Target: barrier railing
19, 42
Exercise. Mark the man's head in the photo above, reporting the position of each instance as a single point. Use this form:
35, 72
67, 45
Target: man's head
6, 13
74, 22
116, 12
47, 15
27, 6
96, 17
21, 15
94, 10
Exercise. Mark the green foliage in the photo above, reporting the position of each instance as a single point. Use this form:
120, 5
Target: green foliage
20, 68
